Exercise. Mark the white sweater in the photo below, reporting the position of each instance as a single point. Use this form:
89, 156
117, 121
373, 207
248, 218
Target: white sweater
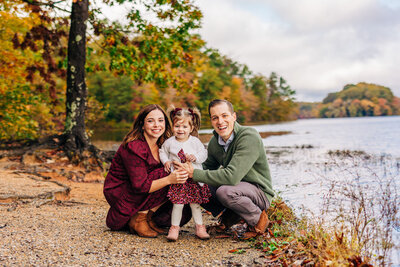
171, 147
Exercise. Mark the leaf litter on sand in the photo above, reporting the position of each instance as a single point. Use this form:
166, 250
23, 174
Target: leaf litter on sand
290, 241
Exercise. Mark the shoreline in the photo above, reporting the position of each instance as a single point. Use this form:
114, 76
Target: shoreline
111, 145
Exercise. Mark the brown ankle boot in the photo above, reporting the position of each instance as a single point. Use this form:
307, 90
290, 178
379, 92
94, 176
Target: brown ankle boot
258, 229
138, 224
262, 223
153, 225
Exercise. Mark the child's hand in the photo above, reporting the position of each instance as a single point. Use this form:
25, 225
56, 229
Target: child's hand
190, 158
167, 166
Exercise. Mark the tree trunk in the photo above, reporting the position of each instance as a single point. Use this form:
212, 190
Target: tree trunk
76, 138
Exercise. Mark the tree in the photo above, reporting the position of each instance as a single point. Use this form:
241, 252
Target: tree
27, 106
75, 132
150, 54
361, 99
280, 99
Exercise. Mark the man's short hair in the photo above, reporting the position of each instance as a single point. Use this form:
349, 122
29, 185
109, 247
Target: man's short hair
216, 102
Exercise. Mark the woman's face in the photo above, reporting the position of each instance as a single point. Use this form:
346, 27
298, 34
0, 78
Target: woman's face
154, 125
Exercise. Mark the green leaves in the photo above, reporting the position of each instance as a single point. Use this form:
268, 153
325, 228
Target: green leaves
17, 111
157, 47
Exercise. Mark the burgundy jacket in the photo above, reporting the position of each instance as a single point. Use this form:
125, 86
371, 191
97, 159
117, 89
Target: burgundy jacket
128, 182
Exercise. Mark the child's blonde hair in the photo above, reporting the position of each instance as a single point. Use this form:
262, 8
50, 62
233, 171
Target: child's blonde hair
177, 114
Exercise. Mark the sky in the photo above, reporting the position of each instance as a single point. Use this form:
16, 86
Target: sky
318, 46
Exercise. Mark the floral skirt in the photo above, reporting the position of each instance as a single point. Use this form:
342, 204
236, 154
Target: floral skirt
189, 192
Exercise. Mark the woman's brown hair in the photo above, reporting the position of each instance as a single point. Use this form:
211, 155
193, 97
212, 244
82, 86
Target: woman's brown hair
137, 129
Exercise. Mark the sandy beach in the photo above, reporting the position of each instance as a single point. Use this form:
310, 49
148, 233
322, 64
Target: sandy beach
61, 222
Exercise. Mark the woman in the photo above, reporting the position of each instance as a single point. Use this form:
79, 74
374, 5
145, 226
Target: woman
136, 185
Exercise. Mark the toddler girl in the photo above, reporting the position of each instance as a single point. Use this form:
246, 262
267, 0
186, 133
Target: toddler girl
185, 146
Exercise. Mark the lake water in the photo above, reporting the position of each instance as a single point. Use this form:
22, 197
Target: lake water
376, 135
371, 134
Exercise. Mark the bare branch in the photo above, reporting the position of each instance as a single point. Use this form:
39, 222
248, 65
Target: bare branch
50, 4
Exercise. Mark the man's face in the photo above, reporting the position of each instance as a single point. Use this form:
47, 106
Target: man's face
222, 120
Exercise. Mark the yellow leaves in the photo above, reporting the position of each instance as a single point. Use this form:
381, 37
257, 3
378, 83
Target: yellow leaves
225, 93
25, 112
110, 40
366, 104
13, 62
188, 57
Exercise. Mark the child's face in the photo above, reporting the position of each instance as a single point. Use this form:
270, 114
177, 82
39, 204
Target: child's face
182, 129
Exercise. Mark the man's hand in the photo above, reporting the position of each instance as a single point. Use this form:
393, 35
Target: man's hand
188, 167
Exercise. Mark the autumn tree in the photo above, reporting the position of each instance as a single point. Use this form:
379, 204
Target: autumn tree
28, 108
280, 99
357, 100
145, 50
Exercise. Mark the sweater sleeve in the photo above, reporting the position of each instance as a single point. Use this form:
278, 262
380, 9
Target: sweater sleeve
243, 159
201, 151
164, 152
139, 175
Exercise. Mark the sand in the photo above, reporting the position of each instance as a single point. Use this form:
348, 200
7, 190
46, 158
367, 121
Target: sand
61, 222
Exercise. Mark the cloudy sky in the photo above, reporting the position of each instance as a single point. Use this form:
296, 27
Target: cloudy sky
318, 46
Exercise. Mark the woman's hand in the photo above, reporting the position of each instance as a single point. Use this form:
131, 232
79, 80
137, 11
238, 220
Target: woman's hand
178, 177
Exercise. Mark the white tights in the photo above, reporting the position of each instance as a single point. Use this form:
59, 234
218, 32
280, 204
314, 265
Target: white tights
177, 213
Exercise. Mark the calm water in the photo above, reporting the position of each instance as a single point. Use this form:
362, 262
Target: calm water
298, 159
371, 134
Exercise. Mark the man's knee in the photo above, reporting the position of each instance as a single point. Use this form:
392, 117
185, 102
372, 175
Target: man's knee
225, 195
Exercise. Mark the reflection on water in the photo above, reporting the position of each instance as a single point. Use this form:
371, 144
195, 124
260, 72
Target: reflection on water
109, 134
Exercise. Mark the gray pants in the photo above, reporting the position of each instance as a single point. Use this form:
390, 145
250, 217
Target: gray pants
245, 199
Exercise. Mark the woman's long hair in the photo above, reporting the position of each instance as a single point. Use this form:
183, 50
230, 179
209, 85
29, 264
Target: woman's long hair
137, 130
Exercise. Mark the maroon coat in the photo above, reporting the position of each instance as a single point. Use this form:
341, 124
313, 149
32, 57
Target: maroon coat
128, 182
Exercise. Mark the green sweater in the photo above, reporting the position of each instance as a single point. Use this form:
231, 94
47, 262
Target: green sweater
245, 160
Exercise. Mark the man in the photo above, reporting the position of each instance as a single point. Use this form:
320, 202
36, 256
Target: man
236, 170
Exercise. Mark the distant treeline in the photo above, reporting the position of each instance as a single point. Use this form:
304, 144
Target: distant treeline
255, 97
355, 100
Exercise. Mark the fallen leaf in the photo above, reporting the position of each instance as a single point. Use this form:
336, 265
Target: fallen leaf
222, 236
